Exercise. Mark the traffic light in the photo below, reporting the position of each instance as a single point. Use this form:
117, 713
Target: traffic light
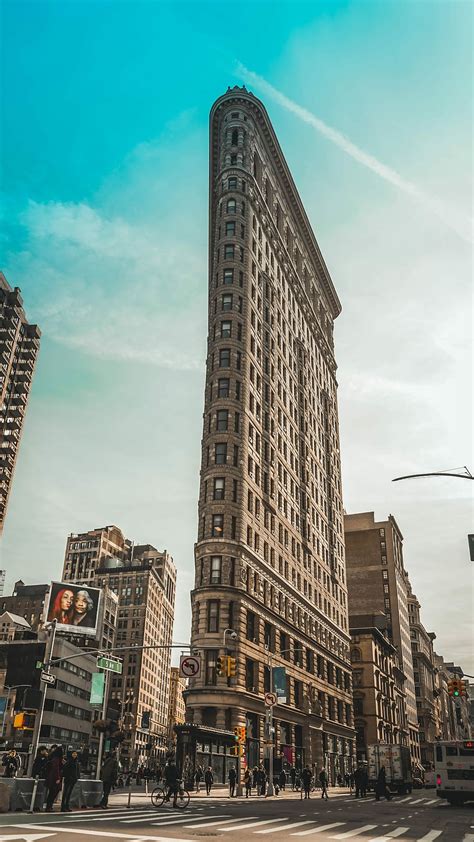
452, 687
221, 665
24, 721
231, 666
146, 717
463, 687
240, 734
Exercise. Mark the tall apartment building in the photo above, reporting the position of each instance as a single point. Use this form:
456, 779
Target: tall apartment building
3, 574
379, 695
28, 601
144, 580
19, 346
424, 674
177, 707
269, 559
377, 581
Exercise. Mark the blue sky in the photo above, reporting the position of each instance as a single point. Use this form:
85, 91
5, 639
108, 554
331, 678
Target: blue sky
104, 124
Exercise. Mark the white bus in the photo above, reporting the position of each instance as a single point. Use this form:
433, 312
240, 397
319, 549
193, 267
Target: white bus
454, 768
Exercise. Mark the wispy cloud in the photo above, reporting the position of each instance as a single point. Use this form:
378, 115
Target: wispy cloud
458, 223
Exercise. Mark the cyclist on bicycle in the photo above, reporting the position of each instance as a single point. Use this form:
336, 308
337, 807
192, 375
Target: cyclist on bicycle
172, 780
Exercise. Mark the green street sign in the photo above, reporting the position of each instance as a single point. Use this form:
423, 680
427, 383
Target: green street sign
110, 664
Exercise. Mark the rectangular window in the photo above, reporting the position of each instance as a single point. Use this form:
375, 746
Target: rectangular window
237, 422
298, 693
217, 526
226, 330
211, 660
219, 488
229, 251
226, 302
220, 453
224, 358
213, 615
229, 274
251, 632
230, 229
250, 683
216, 569
222, 420
232, 182
223, 387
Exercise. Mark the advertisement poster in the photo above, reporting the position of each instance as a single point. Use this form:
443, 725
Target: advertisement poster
74, 607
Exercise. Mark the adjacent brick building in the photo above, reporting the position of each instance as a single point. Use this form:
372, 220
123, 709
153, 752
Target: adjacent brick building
378, 581
19, 346
269, 560
176, 707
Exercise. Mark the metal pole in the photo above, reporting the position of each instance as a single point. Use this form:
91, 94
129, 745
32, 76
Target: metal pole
39, 716
33, 795
100, 750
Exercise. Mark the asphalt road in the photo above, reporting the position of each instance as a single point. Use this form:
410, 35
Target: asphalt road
420, 817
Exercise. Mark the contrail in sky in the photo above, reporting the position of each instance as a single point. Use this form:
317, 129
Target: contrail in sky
460, 224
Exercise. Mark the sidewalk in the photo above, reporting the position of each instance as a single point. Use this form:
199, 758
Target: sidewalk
119, 797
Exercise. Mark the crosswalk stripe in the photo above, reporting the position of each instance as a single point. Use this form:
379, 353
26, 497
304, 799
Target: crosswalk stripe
284, 827
428, 837
418, 801
210, 824
318, 829
174, 819
434, 801
402, 800
70, 819
356, 832
180, 820
398, 831
255, 824
143, 817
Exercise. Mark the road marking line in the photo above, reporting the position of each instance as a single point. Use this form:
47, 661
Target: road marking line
254, 824
182, 819
132, 837
403, 800
210, 824
356, 832
432, 834
418, 801
166, 820
318, 829
117, 817
284, 827
399, 831
435, 801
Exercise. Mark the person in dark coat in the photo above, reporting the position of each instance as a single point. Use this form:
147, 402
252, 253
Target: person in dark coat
108, 777
255, 777
262, 780
71, 775
11, 762
282, 780
293, 777
358, 780
172, 780
248, 778
198, 776
208, 779
54, 776
232, 781
323, 780
306, 778
381, 787
40, 763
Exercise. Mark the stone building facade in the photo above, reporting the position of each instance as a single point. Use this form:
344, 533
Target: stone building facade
379, 697
426, 689
19, 346
377, 581
28, 601
269, 559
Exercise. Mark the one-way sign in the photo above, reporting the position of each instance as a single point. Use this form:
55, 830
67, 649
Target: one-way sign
48, 678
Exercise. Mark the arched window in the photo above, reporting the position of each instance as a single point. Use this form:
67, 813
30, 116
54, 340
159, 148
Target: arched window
355, 655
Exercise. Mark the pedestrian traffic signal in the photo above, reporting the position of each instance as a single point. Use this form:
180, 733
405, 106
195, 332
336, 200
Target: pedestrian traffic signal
231, 666
221, 665
24, 721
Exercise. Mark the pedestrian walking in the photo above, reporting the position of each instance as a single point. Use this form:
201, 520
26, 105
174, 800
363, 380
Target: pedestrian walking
248, 782
351, 782
306, 778
71, 775
232, 781
262, 780
54, 776
282, 780
323, 780
198, 776
208, 779
108, 777
381, 787
40, 763
293, 777
255, 777
358, 780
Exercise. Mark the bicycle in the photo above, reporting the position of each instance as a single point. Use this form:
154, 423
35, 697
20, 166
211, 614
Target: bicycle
161, 795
